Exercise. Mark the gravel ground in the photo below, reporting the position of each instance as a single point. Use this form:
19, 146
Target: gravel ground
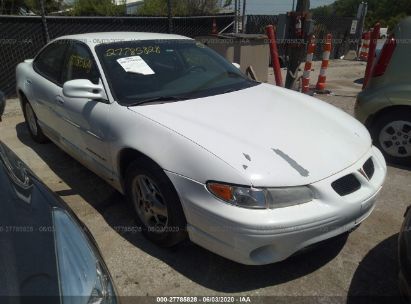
364, 264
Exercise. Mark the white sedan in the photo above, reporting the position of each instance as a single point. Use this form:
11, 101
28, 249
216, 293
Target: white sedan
250, 171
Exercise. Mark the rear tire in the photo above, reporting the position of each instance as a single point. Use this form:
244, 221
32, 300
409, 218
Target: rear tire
32, 124
391, 133
157, 205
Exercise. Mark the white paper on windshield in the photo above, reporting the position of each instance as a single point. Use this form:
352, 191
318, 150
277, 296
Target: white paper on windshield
135, 64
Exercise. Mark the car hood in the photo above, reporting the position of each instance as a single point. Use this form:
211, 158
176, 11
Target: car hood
273, 136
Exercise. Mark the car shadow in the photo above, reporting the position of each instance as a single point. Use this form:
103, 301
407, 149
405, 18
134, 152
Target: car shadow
376, 277
195, 263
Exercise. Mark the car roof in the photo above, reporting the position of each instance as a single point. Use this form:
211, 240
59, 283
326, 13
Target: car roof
93, 39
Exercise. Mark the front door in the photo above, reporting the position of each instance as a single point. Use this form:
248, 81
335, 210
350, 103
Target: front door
46, 86
85, 127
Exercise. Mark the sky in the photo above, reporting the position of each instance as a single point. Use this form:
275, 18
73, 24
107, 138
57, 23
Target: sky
268, 7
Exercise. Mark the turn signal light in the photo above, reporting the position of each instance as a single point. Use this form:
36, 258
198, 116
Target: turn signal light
225, 192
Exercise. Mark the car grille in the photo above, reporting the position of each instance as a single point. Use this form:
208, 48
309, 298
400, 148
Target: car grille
346, 185
369, 168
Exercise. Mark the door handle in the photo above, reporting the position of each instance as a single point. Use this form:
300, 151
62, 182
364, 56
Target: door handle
60, 100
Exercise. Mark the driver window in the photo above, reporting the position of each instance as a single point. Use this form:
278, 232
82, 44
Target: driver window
80, 64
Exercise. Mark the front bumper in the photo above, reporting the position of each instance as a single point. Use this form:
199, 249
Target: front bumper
257, 237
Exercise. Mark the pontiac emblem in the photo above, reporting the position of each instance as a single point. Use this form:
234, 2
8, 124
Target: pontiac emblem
362, 172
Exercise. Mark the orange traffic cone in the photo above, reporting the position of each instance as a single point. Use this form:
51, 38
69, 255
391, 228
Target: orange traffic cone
320, 88
308, 65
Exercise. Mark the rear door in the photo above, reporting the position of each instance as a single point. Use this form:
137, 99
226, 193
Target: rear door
85, 126
46, 85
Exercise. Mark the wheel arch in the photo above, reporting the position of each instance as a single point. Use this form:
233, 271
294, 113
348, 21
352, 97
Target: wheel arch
384, 111
22, 96
125, 157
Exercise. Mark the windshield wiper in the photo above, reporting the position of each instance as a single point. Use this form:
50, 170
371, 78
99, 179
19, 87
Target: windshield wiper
158, 99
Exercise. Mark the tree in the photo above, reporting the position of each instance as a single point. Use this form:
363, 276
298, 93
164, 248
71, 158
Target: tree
179, 7
387, 12
49, 6
97, 8
16, 7
11, 7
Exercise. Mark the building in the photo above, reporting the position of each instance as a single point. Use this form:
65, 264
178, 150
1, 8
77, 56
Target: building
131, 5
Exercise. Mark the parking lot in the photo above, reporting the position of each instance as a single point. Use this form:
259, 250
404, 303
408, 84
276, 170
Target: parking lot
364, 264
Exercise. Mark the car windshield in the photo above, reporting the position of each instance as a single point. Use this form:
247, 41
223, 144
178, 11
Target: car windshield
139, 72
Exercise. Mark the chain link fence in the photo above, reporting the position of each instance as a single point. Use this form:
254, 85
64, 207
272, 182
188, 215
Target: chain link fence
339, 27
21, 37
256, 23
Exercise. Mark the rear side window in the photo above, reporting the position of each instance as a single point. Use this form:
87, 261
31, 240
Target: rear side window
80, 64
50, 61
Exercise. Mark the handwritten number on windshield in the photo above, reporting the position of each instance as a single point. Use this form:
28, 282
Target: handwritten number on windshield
126, 51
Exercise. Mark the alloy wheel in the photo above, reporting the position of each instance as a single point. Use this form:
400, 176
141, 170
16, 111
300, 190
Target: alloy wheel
31, 119
395, 138
150, 203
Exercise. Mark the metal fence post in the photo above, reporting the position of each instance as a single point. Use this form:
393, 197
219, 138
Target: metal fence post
243, 20
170, 16
44, 22
362, 13
236, 15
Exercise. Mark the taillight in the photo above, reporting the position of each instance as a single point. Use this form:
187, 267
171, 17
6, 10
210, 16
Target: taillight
385, 57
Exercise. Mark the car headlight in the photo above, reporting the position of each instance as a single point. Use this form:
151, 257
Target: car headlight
260, 198
83, 278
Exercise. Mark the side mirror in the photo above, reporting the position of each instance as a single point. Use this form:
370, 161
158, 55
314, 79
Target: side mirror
236, 65
84, 88
2, 103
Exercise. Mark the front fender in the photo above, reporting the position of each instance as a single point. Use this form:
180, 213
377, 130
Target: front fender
171, 151
24, 70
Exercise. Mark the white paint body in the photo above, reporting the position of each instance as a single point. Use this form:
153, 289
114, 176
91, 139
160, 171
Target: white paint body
196, 141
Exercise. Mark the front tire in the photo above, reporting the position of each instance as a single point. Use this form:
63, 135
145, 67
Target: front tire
158, 208
391, 133
32, 124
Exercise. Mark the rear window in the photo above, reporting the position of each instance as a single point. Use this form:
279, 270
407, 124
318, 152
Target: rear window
49, 62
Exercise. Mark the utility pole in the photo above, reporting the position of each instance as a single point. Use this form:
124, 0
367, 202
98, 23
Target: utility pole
170, 16
298, 31
303, 6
